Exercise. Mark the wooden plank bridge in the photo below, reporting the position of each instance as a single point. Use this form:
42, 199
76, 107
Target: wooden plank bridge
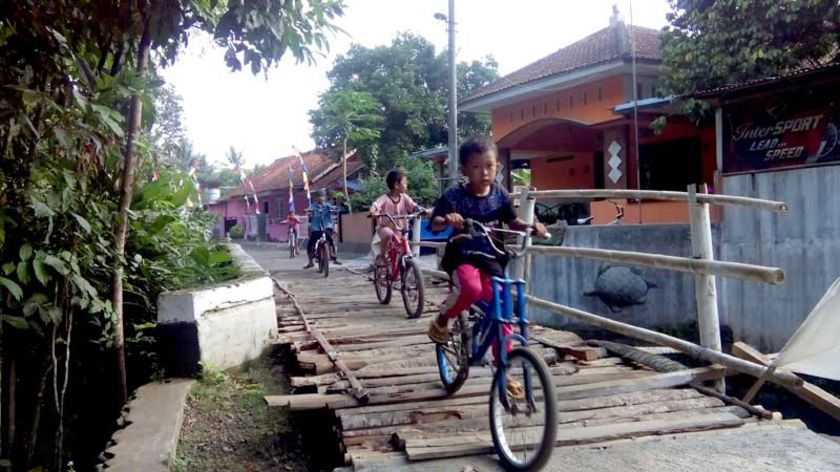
376, 371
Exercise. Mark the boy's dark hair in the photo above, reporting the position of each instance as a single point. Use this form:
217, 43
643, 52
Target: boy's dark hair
393, 178
476, 145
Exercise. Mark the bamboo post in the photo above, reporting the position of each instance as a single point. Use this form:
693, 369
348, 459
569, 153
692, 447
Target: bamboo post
782, 378
416, 224
738, 270
528, 207
705, 290
715, 199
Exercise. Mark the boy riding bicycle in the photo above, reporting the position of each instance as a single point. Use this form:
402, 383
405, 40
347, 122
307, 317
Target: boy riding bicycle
395, 203
320, 222
470, 266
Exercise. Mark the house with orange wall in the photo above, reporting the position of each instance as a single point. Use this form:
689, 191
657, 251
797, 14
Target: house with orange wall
570, 118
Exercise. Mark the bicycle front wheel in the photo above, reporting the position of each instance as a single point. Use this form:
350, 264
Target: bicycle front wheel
525, 431
412, 289
292, 246
453, 358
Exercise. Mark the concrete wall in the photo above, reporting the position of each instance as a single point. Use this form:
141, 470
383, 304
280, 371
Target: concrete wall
566, 280
357, 233
805, 242
221, 325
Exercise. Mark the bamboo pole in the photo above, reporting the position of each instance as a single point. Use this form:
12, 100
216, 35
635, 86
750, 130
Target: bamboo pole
768, 205
432, 244
415, 236
528, 207
756, 273
786, 379
705, 291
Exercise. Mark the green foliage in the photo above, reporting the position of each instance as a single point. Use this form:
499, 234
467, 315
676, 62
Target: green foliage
171, 247
521, 176
69, 70
711, 44
408, 79
237, 231
423, 184
167, 131
257, 33
346, 118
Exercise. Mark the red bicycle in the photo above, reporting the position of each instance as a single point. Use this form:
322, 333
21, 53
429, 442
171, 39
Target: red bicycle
398, 264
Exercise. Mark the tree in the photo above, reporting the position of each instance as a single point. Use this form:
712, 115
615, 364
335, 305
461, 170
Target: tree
409, 79
348, 118
168, 134
471, 77
714, 43
235, 157
77, 78
422, 184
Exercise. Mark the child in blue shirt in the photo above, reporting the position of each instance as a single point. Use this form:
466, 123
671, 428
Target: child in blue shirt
320, 222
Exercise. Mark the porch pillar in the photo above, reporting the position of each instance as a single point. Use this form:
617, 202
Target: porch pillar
504, 158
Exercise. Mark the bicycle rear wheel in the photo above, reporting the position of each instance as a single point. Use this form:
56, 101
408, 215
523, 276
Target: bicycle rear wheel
525, 432
453, 358
292, 245
412, 289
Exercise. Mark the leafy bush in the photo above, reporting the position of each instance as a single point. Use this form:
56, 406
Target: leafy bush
423, 184
237, 231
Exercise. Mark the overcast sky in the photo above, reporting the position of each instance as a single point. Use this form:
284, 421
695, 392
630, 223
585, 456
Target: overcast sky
265, 118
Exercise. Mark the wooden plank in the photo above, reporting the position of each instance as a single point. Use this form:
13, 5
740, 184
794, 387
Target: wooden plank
310, 401
654, 381
406, 413
358, 390
816, 396
454, 428
664, 364
475, 417
431, 448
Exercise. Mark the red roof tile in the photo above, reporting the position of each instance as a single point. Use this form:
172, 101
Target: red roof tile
794, 75
276, 175
607, 45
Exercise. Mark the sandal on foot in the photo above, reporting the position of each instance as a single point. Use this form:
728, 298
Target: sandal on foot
439, 333
515, 389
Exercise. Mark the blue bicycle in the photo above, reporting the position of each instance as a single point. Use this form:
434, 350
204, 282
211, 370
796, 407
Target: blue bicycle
523, 427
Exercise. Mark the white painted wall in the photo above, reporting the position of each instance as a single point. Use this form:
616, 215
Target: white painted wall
235, 320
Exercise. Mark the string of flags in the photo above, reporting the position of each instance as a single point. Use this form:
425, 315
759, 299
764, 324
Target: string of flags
247, 181
291, 192
305, 174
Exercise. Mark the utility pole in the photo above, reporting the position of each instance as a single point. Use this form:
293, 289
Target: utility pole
453, 93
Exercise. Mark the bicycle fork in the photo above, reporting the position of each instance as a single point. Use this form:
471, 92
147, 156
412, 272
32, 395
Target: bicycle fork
503, 313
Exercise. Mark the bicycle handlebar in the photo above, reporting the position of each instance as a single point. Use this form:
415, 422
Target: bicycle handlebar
398, 217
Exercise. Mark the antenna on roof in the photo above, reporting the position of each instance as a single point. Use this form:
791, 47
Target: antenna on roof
616, 17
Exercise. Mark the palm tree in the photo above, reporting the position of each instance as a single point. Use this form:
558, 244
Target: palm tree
349, 117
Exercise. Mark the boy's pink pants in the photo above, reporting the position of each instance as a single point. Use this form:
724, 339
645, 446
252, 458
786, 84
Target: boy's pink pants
469, 286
